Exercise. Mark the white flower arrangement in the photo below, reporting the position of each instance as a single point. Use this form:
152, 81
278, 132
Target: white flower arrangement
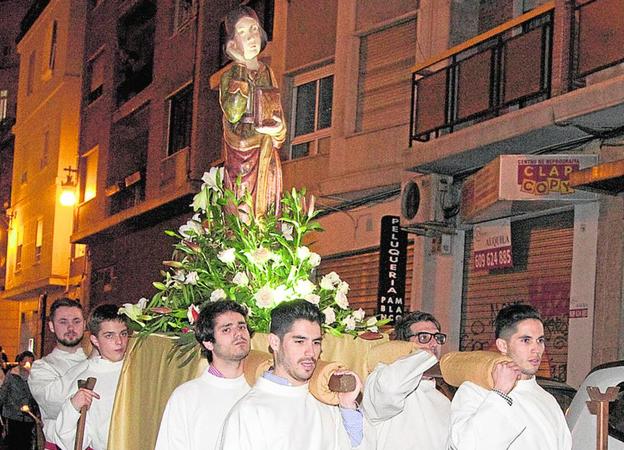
258, 262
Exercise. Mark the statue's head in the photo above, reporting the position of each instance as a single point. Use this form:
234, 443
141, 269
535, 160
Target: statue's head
244, 34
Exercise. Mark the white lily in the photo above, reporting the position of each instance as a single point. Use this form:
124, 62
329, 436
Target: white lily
217, 294
240, 279
227, 256
264, 297
330, 315
304, 287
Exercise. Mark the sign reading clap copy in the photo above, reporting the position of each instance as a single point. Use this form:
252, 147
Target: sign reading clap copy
392, 267
492, 245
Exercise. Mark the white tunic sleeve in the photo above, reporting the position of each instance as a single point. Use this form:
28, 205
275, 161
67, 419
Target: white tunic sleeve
173, 433
482, 419
389, 385
50, 388
65, 427
242, 433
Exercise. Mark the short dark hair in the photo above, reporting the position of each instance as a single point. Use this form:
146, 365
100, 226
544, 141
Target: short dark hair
236, 14
285, 314
64, 301
402, 326
19, 358
205, 323
103, 313
510, 315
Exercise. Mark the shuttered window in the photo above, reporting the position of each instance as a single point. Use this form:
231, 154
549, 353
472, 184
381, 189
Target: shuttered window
384, 79
361, 271
541, 276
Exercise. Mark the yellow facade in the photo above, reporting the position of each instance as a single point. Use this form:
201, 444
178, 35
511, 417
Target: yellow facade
46, 142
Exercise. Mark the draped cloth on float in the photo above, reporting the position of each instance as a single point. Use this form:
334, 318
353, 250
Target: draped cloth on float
148, 379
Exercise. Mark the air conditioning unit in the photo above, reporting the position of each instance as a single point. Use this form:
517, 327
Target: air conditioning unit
428, 200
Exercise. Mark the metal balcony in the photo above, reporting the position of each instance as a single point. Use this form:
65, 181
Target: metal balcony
509, 68
502, 70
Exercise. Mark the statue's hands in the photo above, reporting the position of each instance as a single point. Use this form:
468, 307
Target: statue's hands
272, 130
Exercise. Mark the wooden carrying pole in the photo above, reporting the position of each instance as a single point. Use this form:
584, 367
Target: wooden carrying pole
599, 406
80, 427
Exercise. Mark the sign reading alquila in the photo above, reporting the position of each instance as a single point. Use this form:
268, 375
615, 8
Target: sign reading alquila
392, 266
492, 245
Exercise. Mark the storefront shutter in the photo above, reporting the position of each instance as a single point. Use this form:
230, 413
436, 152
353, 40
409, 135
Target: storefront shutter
541, 276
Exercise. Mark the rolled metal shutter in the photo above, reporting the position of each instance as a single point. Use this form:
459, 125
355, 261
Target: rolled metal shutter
361, 270
541, 276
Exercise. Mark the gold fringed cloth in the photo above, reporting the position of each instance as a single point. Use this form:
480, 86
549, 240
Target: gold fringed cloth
148, 379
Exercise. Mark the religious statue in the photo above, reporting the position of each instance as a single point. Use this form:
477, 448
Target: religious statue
253, 120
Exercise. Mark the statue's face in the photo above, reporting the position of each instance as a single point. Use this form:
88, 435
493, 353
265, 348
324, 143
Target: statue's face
247, 37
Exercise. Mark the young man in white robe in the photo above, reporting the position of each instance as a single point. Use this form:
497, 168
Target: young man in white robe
402, 404
196, 409
109, 335
517, 413
47, 381
279, 413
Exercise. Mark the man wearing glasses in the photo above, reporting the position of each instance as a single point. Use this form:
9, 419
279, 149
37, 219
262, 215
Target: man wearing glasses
402, 404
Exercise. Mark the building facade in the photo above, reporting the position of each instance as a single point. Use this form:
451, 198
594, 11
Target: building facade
11, 13
46, 147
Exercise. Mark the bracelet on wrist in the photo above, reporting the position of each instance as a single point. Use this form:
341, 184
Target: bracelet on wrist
505, 397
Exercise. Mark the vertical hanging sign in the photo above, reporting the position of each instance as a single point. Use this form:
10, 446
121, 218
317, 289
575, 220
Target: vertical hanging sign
392, 268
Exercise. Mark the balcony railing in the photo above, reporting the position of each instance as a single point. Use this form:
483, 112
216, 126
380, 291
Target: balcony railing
598, 41
504, 69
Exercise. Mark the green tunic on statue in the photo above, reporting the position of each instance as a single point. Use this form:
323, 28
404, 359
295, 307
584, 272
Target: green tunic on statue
250, 155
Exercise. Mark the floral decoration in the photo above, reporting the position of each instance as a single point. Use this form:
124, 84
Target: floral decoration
258, 262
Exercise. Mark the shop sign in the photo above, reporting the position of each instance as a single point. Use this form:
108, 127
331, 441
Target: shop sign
392, 268
492, 245
543, 177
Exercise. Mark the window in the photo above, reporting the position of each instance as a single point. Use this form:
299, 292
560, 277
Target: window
135, 53
31, 73
45, 150
24, 177
38, 240
384, 84
184, 11
180, 119
53, 45
19, 247
96, 77
4, 104
88, 175
311, 112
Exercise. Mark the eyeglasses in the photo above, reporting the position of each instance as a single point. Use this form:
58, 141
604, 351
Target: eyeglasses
424, 337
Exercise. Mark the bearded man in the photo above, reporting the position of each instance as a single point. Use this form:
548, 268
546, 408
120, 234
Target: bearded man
46, 381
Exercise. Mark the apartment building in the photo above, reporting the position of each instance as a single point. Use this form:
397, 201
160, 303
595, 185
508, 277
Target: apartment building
11, 13
46, 147
542, 81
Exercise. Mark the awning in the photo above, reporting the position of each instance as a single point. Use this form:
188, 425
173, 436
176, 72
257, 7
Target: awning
605, 178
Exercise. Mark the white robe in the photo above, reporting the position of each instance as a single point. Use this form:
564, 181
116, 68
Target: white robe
49, 387
277, 417
99, 414
405, 411
196, 410
482, 419
581, 422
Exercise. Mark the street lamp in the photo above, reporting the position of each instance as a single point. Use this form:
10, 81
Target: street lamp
68, 188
